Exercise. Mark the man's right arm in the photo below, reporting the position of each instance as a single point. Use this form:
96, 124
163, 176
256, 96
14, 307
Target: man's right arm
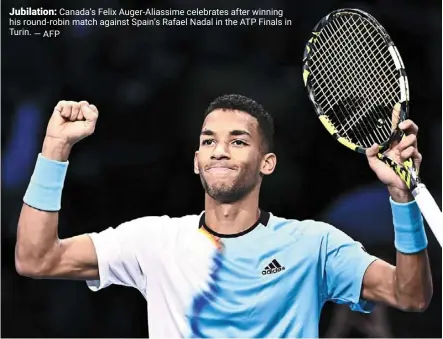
39, 253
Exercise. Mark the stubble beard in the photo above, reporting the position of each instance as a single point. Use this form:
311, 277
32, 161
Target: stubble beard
227, 193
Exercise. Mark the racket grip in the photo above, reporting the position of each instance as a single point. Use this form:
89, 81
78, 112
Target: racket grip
430, 210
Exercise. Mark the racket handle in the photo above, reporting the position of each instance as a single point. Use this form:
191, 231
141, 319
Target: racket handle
430, 210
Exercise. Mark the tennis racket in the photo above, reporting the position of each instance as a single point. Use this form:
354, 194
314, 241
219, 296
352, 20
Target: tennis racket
355, 76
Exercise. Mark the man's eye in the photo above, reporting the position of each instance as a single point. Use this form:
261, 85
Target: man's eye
207, 142
239, 143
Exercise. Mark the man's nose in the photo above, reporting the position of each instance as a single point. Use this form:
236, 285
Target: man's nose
221, 151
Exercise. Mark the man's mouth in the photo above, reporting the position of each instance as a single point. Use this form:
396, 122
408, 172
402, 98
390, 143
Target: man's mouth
218, 169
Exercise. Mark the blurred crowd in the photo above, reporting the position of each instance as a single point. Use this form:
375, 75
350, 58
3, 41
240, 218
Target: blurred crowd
151, 86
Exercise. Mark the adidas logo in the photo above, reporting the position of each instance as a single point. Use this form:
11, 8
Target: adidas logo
273, 267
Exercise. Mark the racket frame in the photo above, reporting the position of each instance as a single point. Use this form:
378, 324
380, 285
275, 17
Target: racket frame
311, 47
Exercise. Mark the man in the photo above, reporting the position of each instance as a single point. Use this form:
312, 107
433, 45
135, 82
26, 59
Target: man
234, 270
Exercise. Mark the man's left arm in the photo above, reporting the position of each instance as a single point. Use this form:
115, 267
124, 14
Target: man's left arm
408, 285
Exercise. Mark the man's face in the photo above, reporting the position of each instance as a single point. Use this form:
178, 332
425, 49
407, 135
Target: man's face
229, 160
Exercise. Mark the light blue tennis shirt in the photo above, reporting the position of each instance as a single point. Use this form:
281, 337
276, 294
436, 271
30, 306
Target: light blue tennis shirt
269, 281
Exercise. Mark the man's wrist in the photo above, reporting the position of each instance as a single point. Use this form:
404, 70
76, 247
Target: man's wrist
56, 149
410, 235
400, 196
45, 187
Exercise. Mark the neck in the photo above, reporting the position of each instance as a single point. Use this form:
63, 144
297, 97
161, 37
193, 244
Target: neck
235, 217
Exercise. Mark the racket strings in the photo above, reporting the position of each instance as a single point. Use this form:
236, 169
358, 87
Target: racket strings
350, 120
350, 105
353, 51
350, 101
354, 79
370, 77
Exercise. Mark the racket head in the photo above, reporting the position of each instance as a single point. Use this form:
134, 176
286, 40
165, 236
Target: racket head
327, 72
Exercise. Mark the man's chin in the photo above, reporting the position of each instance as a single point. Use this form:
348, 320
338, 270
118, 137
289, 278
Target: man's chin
224, 198
225, 194
222, 190
216, 192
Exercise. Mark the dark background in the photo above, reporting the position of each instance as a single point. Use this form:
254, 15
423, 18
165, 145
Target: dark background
152, 86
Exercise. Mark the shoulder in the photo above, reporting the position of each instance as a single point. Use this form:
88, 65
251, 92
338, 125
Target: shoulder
309, 232
163, 220
159, 224
307, 227
149, 232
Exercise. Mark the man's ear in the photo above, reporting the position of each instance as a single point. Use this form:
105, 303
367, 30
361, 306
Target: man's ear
268, 164
196, 171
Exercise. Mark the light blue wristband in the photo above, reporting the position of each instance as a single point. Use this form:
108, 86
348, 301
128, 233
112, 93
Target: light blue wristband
410, 235
45, 188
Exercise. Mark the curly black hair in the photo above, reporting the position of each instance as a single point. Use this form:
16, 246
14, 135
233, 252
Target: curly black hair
247, 105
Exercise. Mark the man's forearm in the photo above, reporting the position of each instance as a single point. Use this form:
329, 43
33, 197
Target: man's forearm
413, 281
37, 232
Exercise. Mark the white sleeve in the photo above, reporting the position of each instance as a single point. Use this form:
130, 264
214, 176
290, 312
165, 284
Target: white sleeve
121, 251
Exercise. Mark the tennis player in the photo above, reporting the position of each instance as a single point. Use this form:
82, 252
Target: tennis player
234, 270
